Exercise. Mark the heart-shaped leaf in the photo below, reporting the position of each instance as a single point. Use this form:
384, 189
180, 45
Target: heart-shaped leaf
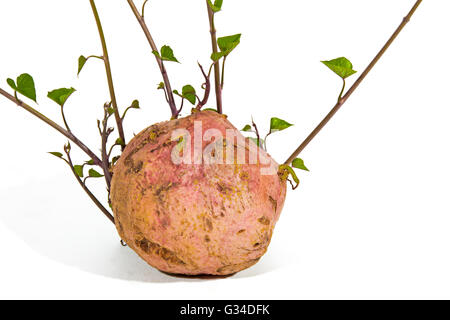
94, 174
247, 128
189, 93
299, 164
135, 104
341, 66
79, 170
24, 85
277, 124
81, 62
56, 154
166, 54
12, 84
229, 43
60, 96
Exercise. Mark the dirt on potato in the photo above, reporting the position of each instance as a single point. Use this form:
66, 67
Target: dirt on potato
200, 218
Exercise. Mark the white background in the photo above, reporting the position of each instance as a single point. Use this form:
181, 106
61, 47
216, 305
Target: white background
371, 220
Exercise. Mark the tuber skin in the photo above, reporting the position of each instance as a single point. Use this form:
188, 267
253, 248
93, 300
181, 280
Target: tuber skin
194, 219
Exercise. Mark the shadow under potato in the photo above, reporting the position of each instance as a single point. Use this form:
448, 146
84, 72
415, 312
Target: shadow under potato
74, 234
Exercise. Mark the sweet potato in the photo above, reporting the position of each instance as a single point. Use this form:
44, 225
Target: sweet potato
195, 219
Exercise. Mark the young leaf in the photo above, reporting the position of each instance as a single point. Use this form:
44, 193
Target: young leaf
247, 128
115, 159
81, 62
119, 142
12, 84
189, 93
217, 6
161, 86
56, 154
60, 96
24, 85
166, 54
277, 124
299, 164
94, 174
79, 170
135, 105
341, 66
90, 162
229, 43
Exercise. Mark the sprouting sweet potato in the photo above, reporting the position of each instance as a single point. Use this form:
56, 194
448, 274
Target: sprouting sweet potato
195, 219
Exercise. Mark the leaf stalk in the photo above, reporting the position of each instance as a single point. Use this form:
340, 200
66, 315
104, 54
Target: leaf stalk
86, 189
170, 97
108, 73
54, 125
218, 86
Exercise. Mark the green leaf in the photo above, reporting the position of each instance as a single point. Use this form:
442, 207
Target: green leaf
110, 110
217, 6
115, 159
81, 62
277, 124
166, 54
90, 162
79, 170
191, 98
135, 105
56, 154
189, 94
247, 128
12, 84
24, 85
119, 142
188, 89
226, 45
60, 96
341, 66
94, 174
299, 164
229, 43
161, 86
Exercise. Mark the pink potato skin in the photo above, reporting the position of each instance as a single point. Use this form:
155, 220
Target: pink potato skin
194, 219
